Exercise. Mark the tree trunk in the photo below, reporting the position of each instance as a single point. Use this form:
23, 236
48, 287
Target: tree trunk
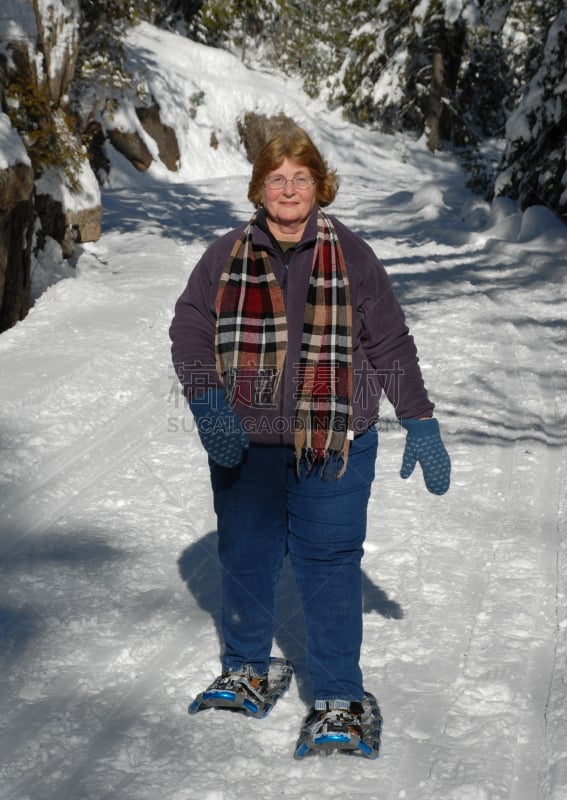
435, 102
442, 118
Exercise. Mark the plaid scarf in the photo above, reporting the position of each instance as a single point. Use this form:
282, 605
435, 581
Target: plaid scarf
251, 343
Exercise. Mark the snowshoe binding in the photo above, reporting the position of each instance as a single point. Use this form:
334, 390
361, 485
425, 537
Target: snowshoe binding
354, 729
243, 691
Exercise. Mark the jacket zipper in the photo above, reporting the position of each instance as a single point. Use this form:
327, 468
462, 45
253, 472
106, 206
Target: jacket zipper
282, 379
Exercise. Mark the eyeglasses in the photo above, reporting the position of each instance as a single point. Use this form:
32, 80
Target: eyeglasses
301, 182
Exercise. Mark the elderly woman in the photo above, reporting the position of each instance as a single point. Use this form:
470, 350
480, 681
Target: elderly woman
285, 337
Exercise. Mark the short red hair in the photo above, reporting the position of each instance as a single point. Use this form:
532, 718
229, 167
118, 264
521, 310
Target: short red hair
293, 142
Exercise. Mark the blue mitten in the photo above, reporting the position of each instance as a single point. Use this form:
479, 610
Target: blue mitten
219, 427
423, 444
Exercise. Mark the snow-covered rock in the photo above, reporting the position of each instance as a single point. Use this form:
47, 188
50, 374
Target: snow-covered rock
39, 44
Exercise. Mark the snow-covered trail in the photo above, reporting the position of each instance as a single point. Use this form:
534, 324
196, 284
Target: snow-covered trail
109, 594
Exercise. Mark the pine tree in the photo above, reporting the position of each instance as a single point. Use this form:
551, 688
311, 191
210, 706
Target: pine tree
101, 70
535, 161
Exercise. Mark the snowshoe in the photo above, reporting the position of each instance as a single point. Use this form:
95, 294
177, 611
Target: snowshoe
354, 730
242, 691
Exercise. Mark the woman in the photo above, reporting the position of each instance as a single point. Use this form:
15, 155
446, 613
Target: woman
284, 338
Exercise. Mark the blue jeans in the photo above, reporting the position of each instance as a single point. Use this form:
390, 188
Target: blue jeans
264, 510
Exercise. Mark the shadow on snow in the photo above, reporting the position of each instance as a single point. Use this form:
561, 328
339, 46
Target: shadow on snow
200, 569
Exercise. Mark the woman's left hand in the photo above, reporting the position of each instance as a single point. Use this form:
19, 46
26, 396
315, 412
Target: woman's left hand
424, 444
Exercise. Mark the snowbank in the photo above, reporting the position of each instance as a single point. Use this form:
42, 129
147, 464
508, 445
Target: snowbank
12, 150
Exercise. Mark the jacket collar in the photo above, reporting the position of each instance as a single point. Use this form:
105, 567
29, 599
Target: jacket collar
309, 234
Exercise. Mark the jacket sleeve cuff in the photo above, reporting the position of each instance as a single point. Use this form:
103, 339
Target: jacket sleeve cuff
421, 428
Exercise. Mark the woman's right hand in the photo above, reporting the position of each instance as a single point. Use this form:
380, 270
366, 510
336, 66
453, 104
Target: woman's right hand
219, 428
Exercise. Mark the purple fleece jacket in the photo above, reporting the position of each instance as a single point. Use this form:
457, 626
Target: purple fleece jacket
383, 352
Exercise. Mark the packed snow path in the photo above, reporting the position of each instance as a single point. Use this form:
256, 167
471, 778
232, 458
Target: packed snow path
110, 584
110, 579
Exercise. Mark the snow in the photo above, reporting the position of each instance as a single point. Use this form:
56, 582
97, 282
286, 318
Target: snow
17, 23
12, 150
85, 196
110, 582
60, 19
538, 109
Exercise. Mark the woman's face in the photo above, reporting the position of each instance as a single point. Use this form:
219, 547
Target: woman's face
288, 207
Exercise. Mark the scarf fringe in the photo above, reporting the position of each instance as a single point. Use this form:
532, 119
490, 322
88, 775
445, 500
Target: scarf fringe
329, 464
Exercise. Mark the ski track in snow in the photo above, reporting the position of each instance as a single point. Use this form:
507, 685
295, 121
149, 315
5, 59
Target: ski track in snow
110, 582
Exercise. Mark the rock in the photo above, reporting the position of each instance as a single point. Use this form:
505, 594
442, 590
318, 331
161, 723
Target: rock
85, 223
16, 185
58, 28
163, 135
132, 147
100, 163
256, 129
43, 56
16, 229
66, 226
